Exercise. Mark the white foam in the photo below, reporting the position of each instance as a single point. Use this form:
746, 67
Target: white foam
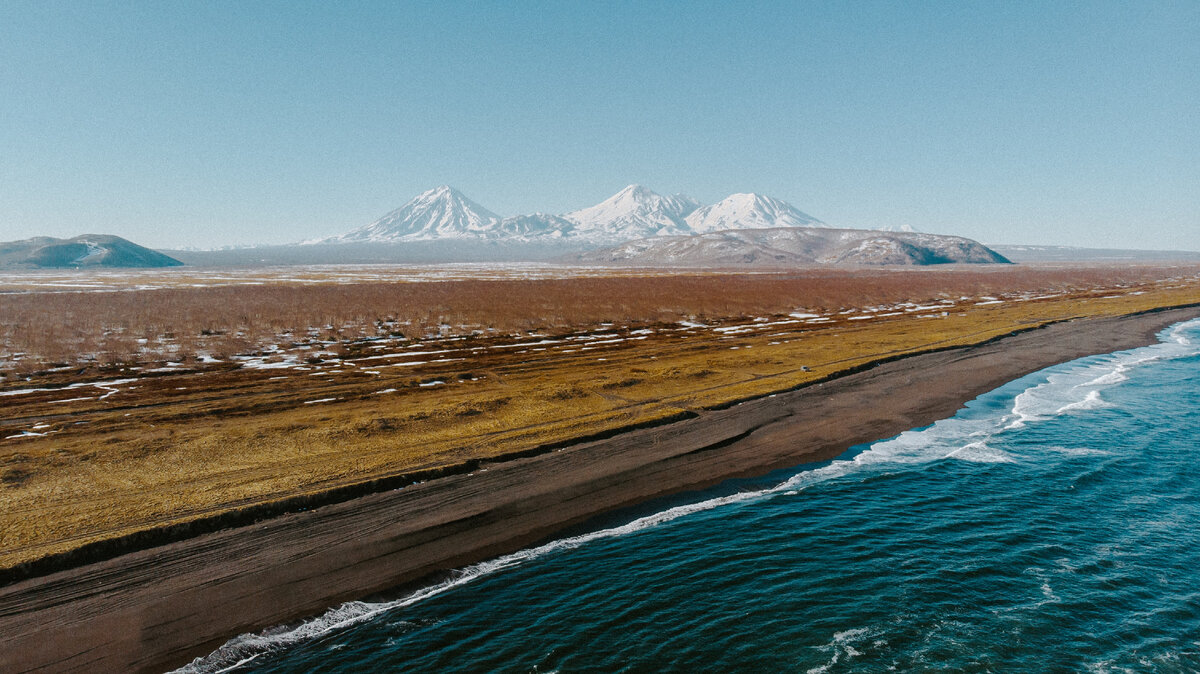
949, 439
980, 452
1078, 387
1079, 451
1093, 401
247, 647
913, 447
1178, 333
842, 647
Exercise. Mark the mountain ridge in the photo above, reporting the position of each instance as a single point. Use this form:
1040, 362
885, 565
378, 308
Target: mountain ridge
633, 212
794, 246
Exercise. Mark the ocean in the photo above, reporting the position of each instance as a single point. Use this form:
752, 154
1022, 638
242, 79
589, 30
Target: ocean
1051, 525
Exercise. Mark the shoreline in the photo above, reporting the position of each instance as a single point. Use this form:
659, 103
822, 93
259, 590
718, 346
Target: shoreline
162, 606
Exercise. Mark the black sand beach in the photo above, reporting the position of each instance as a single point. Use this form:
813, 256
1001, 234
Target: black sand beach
159, 608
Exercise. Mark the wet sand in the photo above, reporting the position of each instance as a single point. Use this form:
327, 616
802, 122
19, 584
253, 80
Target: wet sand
159, 608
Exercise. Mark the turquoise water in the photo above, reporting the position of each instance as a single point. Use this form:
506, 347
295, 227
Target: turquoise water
1052, 525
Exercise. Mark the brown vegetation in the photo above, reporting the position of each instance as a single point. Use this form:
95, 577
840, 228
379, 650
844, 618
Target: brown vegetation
101, 459
45, 329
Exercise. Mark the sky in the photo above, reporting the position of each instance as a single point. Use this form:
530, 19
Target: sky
205, 124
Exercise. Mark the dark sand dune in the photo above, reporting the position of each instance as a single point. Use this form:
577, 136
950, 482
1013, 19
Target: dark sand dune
159, 608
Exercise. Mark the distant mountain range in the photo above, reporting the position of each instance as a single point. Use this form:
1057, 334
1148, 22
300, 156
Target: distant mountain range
80, 252
636, 226
793, 246
634, 212
642, 227
1108, 255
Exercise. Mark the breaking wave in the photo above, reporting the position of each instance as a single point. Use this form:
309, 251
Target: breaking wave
977, 435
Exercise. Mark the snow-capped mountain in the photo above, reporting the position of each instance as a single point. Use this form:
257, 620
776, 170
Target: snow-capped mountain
632, 213
442, 212
534, 225
748, 211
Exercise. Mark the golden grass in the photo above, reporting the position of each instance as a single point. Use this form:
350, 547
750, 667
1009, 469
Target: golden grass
185, 445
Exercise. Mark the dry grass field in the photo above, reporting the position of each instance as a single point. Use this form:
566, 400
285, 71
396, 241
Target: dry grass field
231, 396
106, 321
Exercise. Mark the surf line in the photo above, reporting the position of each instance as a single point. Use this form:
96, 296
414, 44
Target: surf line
942, 440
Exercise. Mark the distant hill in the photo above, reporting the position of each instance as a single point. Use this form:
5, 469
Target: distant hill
1072, 254
81, 252
794, 246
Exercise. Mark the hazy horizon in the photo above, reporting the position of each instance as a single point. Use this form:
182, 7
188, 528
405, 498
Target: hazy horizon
213, 124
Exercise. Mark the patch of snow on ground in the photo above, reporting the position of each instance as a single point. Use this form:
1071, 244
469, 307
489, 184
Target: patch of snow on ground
513, 346
422, 362
25, 434
406, 353
260, 363
104, 385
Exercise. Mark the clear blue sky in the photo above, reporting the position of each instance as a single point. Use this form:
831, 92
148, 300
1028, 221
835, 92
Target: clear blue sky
210, 123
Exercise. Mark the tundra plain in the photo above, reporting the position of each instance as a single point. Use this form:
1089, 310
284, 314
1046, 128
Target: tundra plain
152, 402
